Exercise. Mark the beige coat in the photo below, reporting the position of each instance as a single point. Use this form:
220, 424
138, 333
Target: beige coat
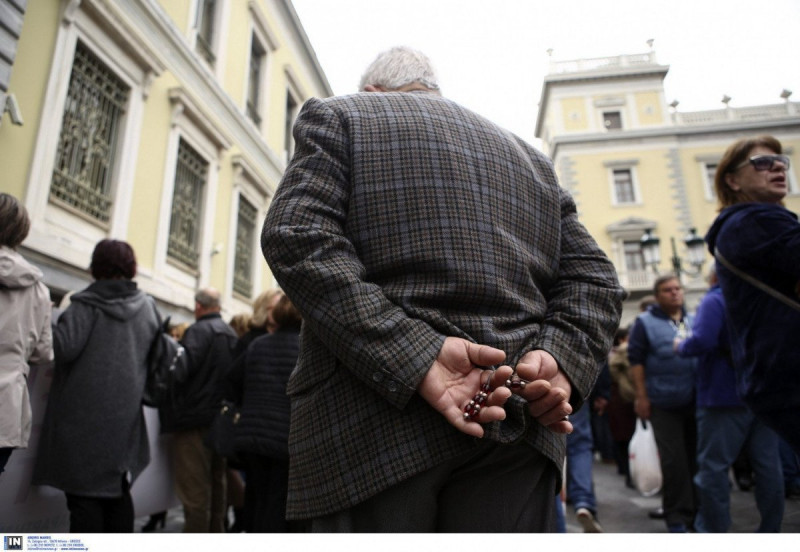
620, 370
25, 338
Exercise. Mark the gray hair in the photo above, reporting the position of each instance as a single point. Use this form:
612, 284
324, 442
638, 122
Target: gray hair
399, 66
208, 298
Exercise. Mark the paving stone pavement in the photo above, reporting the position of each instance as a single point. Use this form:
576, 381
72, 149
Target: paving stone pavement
620, 509
624, 510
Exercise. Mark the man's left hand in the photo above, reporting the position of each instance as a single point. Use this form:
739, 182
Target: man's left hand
547, 392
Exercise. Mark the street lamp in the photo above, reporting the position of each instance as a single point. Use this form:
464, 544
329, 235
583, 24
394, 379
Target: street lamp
694, 244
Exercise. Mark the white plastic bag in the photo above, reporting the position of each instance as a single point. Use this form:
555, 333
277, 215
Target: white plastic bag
643, 459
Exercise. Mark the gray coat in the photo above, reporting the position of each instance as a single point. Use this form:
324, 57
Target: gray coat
94, 430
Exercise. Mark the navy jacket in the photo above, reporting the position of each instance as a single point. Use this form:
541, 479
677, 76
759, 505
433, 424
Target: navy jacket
716, 379
762, 240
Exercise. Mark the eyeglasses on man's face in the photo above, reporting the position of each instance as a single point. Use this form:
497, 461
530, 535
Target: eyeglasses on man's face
765, 162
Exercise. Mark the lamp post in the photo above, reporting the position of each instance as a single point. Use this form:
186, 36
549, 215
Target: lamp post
694, 244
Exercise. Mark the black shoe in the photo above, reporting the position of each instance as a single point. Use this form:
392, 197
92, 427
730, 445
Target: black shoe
629, 483
658, 513
159, 518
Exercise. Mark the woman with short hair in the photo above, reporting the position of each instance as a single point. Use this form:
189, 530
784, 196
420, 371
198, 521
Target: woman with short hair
94, 440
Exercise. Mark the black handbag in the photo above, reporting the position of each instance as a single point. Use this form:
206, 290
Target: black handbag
222, 432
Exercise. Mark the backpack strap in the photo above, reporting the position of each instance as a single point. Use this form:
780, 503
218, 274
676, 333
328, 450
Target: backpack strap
757, 283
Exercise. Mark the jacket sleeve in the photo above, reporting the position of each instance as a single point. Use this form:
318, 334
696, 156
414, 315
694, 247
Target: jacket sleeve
196, 343
304, 242
43, 351
706, 330
584, 305
72, 332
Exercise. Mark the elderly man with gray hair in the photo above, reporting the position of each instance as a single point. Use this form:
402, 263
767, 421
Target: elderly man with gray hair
455, 312
199, 472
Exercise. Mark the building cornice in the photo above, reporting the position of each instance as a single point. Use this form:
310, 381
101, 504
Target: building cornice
243, 167
623, 73
581, 71
183, 104
673, 132
580, 78
308, 50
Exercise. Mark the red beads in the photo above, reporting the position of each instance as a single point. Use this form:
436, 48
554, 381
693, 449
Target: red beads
516, 382
474, 406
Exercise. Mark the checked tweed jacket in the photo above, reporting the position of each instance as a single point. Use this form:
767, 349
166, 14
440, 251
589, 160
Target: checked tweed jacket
402, 219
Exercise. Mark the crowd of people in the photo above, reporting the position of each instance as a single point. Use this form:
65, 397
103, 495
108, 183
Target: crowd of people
445, 336
715, 394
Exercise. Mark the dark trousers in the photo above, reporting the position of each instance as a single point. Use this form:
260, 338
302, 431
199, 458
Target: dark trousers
5, 454
785, 422
676, 437
88, 514
495, 488
265, 495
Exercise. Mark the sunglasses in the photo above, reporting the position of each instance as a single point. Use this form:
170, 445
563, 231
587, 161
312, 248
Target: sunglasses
765, 162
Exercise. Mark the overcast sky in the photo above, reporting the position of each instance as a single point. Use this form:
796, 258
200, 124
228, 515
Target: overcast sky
491, 55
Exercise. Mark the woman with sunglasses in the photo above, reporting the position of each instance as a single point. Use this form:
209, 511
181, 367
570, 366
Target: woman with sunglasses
756, 241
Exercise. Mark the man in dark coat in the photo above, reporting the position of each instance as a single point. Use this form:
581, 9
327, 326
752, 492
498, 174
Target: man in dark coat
421, 243
199, 472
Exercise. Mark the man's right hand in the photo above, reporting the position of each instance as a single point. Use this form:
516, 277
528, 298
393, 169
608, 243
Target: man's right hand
641, 405
454, 379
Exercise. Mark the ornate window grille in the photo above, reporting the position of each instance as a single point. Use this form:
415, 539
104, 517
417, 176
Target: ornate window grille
205, 29
94, 107
191, 174
245, 234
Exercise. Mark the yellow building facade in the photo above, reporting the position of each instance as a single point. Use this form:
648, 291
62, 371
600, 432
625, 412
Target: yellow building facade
635, 163
165, 123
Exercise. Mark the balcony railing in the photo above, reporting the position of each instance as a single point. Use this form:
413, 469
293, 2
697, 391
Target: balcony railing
750, 113
636, 279
602, 63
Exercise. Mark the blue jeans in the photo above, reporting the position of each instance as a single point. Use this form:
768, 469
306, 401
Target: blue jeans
721, 434
580, 488
561, 521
